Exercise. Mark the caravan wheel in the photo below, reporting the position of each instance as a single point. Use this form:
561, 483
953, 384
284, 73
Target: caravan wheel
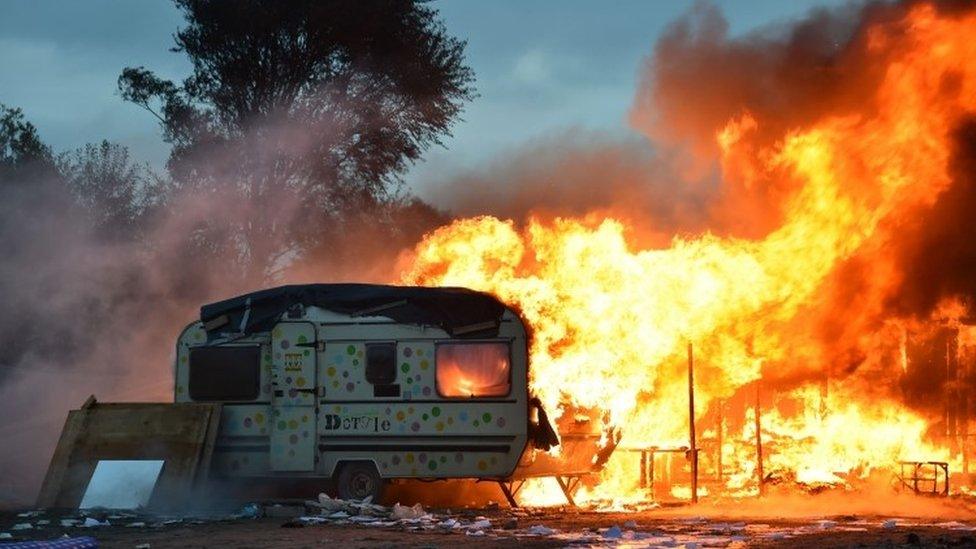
359, 480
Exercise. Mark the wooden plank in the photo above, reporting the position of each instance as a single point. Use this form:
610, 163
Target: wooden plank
58, 467
206, 453
176, 433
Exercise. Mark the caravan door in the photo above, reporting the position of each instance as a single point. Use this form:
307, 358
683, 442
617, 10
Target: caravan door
293, 396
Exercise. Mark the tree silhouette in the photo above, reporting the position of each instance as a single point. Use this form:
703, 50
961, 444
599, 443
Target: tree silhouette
118, 194
301, 114
24, 158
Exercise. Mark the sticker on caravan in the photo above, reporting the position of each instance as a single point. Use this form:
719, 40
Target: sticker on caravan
293, 362
355, 423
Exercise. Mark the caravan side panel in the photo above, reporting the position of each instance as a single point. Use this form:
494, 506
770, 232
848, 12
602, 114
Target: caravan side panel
405, 427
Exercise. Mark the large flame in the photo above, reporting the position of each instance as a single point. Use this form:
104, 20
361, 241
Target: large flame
611, 322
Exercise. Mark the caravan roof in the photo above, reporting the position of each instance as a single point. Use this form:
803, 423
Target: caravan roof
458, 311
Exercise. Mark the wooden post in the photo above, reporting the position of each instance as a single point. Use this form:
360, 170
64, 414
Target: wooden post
719, 435
965, 373
651, 474
691, 426
951, 399
759, 451
643, 468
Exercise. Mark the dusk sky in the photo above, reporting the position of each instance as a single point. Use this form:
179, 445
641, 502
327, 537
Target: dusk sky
542, 68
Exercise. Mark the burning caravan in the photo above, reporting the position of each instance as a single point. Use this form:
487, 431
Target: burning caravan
362, 384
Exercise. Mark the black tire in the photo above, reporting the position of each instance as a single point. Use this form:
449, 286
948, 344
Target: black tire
359, 480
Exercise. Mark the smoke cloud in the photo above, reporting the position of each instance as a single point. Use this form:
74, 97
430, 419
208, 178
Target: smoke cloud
85, 312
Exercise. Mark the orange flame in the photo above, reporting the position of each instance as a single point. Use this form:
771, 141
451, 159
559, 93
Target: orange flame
611, 322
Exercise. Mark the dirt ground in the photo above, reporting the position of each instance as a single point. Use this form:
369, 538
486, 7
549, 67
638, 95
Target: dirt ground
513, 528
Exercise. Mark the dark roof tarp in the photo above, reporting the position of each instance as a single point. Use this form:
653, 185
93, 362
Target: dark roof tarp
458, 311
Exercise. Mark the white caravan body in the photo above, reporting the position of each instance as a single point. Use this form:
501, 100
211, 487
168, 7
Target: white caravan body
417, 382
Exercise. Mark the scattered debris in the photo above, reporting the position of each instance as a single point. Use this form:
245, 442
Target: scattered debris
540, 530
480, 522
251, 510
500, 524
449, 524
401, 512
954, 525
327, 503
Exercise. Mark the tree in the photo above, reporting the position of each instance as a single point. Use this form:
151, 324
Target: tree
23, 156
118, 194
302, 113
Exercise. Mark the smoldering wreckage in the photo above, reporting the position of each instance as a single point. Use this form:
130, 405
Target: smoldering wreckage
812, 354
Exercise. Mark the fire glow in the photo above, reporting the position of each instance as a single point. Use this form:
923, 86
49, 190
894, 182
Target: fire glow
475, 370
611, 322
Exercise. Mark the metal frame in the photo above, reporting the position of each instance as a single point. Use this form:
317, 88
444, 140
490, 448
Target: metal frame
569, 487
510, 489
913, 472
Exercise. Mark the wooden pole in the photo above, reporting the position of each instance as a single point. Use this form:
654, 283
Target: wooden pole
643, 468
651, 476
691, 426
720, 404
965, 374
950, 394
761, 477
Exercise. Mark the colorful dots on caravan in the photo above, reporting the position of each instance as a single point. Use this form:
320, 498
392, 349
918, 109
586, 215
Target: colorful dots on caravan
363, 383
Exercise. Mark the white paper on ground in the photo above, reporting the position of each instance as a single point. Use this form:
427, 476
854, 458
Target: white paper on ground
121, 484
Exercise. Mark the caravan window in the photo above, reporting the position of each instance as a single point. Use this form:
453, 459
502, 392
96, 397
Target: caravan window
381, 363
225, 373
473, 370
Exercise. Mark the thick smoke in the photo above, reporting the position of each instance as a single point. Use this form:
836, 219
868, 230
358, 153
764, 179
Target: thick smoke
80, 316
697, 80
88, 313
938, 251
580, 174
